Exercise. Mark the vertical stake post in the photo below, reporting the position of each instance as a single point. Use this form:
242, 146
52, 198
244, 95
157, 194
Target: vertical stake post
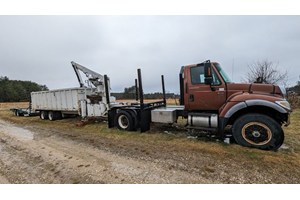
163, 88
141, 93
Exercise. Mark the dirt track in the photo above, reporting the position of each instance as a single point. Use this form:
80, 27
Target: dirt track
37, 153
38, 157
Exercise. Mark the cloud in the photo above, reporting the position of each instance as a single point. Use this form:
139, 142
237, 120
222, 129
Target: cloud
40, 48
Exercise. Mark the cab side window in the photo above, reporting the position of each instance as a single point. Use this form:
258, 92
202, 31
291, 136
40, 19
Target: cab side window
197, 76
216, 80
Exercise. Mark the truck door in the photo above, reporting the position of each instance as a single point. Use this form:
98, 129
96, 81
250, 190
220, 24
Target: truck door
201, 96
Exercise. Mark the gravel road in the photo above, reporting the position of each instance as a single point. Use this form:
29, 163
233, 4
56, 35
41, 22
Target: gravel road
29, 156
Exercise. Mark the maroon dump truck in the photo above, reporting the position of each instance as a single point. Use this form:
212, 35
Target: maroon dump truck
255, 113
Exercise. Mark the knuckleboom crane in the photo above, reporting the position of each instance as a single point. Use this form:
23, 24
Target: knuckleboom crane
95, 78
101, 82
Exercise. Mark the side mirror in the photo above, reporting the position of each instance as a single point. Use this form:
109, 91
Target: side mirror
207, 73
208, 80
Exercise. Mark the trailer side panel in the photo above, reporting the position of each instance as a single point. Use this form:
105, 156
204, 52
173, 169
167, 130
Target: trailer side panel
67, 100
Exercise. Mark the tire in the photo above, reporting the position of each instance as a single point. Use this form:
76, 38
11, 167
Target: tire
43, 115
258, 131
133, 114
124, 121
63, 116
51, 115
18, 114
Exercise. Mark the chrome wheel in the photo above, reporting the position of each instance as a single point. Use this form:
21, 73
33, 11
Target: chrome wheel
123, 121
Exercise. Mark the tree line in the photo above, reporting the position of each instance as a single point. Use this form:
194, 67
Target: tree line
295, 89
130, 93
17, 90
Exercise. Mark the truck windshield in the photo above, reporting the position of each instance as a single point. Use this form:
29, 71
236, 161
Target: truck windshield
222, 72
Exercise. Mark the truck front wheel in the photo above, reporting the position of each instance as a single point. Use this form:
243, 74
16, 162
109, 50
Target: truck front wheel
258, 131
124, 121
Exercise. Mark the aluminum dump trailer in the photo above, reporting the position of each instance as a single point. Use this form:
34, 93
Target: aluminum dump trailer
79, 101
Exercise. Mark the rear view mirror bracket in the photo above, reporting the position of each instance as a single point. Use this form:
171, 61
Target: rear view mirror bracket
208, 72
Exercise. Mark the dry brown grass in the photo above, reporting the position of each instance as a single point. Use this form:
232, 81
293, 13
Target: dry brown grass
294, 101
4, 106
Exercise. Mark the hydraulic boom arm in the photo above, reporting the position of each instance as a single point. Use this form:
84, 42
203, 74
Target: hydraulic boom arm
95, 78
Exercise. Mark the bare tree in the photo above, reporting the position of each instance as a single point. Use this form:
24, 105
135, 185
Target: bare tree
266, 72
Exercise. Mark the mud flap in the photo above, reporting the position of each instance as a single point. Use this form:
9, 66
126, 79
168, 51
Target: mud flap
221, 126
111, 118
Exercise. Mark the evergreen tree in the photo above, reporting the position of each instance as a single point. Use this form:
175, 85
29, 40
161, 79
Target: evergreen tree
16, 90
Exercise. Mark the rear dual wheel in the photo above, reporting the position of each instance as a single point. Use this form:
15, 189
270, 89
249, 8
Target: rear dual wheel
126, 120
258, 131
54, 115
43, 115
51, 115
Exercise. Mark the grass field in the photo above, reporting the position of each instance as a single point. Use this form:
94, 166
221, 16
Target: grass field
292, 132
281, 161
7, 106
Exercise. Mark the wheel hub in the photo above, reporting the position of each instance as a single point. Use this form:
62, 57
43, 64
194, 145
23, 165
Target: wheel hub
123, 121
256, 133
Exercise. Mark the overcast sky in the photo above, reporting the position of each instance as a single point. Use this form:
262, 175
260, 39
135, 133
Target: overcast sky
40, 48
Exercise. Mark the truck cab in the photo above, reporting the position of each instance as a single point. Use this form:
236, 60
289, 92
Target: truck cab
212, 101
202, 92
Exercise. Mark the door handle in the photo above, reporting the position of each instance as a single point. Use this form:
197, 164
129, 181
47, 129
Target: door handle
221, 91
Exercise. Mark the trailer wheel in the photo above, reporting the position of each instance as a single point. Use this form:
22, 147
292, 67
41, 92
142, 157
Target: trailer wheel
258, 131
63, 115
51, 115
124, 121
43, 115
18, 114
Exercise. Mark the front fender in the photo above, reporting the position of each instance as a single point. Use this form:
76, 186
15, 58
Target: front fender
232, 107
259, 102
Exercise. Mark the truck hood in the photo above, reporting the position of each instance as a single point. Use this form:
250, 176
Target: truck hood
268, 89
